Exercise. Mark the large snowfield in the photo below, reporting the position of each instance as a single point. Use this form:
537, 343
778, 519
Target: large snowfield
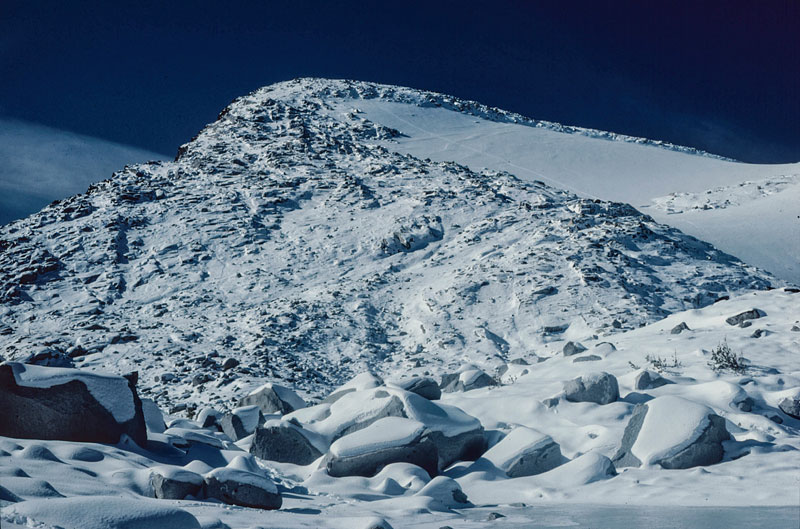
353, 305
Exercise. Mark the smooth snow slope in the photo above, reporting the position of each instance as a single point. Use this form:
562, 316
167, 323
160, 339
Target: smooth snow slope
764, 231
40, 164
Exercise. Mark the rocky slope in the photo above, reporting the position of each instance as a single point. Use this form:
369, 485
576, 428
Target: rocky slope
285, 243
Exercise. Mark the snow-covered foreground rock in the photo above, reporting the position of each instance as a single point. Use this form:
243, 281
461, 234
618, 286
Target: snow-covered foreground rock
329, 333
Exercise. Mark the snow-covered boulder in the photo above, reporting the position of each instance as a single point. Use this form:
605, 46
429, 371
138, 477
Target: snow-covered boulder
209, 418
456, 435
422, 386
791, 406
445, 494
585, 469
287, 442
672, 432
242, 483
466, 380
69, 404
389, 440
525, 452
272, 398
359, 382
241, 422
649, 380
600, 388
174, 483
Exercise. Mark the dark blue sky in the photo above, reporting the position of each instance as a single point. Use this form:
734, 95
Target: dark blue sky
722, 76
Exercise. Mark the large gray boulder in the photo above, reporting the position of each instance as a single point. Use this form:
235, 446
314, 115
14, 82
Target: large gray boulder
242, 483
649, 380
739, 319
600, 388
272, 398
791, 406
463, 446
389, 440
466, 380
69, 405
285, 442
573, 348
672, 432
525, 452
173, 483
423, 386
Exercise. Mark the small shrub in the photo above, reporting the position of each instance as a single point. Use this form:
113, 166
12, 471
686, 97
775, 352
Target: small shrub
722, 358
662, 365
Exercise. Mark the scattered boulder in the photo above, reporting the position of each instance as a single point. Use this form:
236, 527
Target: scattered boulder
243, 483
69, 405
285, 442
423, 386
600, 388
389, 440
173, 483
525, 452
791, 406
573, 348
672, 432
239, 487
587, 358
680, 328
229, 363
241, 422
649, 380
752, 314
272, 398
466, 380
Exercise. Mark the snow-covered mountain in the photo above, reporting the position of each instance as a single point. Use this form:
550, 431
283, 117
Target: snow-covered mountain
601, 365
292, 238
756, 219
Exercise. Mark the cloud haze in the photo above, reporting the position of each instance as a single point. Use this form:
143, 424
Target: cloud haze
40, 164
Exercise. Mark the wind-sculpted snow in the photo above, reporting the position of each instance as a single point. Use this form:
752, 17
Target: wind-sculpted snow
287, 239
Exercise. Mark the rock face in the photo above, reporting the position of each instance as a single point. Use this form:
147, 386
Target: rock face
674, 433
272, 398
69, 405
284, 442
790, 406
240, 487
423, 386
525, 452
600, 388
649, 380
389, 440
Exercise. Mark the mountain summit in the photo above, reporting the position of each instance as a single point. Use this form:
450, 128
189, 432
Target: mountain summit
289, 241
